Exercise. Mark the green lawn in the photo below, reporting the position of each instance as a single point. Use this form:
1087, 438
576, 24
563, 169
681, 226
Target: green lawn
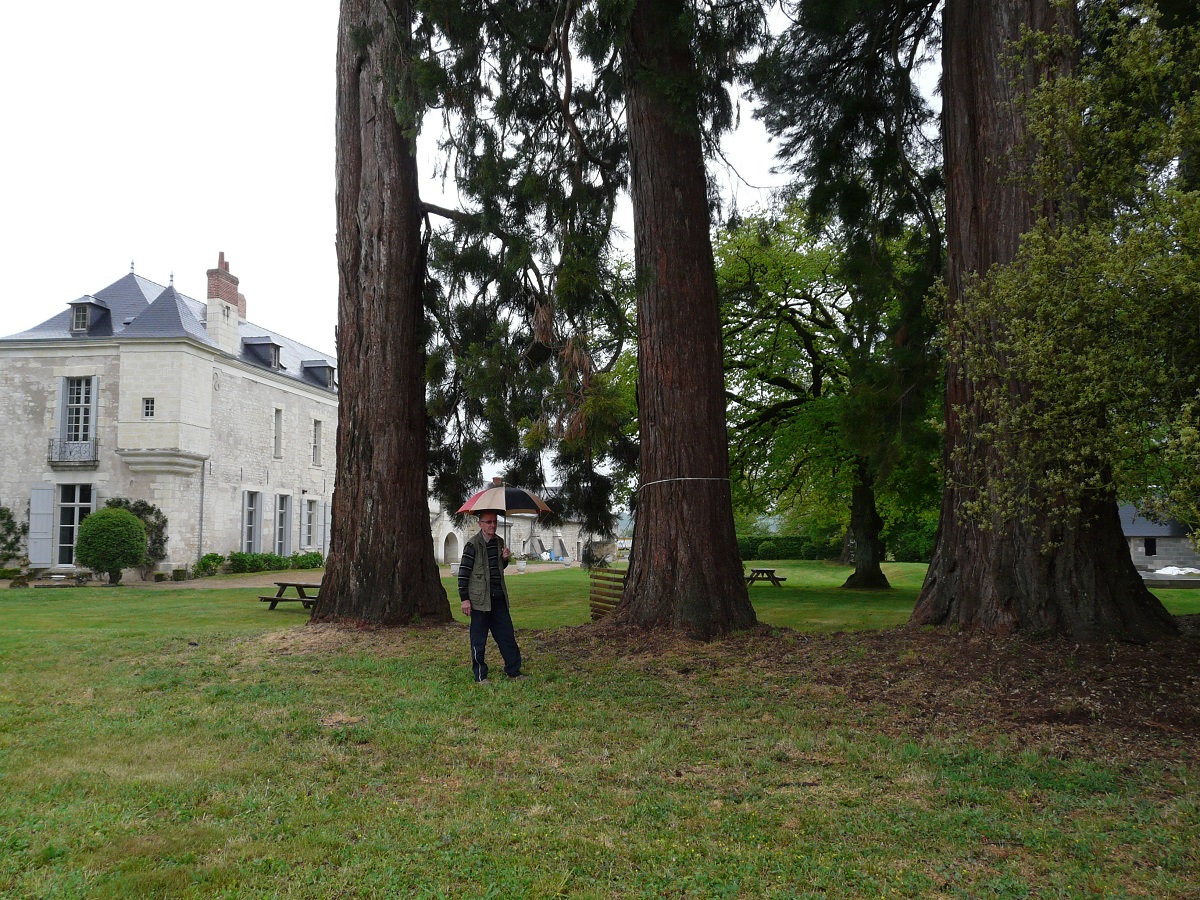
190, 743
811, 599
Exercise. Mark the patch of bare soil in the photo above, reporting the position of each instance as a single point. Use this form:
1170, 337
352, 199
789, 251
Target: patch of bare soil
1111, 699
337, 638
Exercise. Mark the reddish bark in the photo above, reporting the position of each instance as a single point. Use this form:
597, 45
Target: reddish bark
998, 575
685, 571
381, 567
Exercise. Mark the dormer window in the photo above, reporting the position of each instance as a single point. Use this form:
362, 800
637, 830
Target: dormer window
264, 350
79, 317
321, 371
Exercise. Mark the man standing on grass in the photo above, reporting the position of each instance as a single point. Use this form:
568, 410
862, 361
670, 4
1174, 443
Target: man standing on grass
485, 598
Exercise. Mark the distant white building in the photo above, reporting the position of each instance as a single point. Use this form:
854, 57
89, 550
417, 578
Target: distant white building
1157, 545
139, 391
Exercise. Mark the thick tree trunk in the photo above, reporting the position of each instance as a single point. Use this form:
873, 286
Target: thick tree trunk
869, 550
381, 567
999, 575
685, 571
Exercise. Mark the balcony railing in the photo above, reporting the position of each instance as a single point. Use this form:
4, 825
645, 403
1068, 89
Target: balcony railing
73, 454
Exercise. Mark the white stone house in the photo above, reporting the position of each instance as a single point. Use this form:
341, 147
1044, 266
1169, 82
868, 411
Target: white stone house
139, 391
228, 427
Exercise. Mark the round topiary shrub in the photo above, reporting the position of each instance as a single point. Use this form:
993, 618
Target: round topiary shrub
768, 550
110, 540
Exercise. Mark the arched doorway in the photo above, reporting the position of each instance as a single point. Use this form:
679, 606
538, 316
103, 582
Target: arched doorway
451, 553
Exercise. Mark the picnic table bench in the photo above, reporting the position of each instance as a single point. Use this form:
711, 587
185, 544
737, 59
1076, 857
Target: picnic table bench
300, 587
764, 575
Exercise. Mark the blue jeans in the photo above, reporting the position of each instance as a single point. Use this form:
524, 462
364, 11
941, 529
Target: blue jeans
499, 622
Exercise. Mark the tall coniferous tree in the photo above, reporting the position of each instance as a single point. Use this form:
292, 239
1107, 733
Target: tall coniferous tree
545, 153
685, 571
381, 568
995, 572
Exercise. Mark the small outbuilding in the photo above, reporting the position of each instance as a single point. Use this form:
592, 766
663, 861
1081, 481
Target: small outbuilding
1157, 545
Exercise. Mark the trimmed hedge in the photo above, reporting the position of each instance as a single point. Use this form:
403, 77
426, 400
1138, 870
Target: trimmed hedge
109, 540
782, 546
240, 563
310, 560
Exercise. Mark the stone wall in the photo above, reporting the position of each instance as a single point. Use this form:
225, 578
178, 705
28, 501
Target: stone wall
1170, 551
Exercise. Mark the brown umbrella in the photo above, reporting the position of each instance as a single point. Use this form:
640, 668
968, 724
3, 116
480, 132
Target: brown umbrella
505, 499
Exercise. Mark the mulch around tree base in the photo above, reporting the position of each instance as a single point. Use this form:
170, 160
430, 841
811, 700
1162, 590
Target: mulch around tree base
1105, 699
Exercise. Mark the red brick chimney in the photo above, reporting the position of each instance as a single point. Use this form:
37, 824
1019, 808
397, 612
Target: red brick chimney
224, 286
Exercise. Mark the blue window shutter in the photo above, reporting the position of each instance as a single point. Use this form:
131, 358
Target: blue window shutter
41, 525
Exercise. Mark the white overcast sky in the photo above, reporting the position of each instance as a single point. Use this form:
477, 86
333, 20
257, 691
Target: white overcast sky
164, 133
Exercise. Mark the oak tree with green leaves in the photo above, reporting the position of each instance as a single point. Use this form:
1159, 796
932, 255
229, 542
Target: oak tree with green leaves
819, 418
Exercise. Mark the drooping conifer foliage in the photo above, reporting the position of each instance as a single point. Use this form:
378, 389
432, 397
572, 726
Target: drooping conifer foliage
540, 101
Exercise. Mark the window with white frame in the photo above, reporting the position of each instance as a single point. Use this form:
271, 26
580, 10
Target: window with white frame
147, 407
316, 442
74, 505
78, 422
274, 355
283, 525
79, 318
251, 519
308, 536
278, 434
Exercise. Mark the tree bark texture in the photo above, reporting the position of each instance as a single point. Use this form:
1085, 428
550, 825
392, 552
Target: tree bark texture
869, 549
997, 575
381, 567
685, 571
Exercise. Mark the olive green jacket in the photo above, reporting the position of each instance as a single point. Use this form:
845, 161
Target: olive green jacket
478, 590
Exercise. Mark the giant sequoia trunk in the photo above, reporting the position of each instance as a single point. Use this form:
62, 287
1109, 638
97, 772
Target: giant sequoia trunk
685, 571
381, 568
998, 575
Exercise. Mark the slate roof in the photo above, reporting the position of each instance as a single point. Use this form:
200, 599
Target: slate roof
167, 317
137, 308
1134, 524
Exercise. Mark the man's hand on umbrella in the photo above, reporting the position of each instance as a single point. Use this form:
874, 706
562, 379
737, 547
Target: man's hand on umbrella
506, 553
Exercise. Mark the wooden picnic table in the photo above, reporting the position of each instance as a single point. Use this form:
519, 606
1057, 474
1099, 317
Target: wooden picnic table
764, 575
300, 587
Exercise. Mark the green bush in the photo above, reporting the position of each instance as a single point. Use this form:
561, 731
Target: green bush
256, 562
9, 573
209, 564
109, 540
11, 534
768, 550
311, 560
155, 524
